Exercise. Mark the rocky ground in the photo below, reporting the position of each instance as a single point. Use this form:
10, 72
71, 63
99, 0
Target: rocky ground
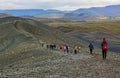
46, 63
23, 53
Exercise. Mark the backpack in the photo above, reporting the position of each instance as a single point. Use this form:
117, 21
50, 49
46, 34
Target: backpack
75, 47
104, 46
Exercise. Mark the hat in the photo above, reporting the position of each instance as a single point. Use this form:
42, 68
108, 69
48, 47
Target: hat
104, 38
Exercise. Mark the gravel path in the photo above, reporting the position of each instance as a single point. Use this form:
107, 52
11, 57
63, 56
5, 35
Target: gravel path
56, 64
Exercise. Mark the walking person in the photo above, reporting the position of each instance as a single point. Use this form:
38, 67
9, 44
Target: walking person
67, 48
61, 47
91, 47
79, 49
104, 48
75, 49
47, 46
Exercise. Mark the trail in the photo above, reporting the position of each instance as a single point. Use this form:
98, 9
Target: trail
47, 63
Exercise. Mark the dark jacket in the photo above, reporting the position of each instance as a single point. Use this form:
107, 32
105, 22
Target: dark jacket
104, 42
91, 46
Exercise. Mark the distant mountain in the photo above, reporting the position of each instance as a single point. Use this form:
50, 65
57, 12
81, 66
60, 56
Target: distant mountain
90, 14
22, 12
95, 13
112, 10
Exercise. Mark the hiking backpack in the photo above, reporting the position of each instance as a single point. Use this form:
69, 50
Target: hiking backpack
104, 46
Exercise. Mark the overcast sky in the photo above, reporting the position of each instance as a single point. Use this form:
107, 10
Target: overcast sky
55, 4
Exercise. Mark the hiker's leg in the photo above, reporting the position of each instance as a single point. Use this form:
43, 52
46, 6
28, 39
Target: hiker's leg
105, 54
90, 51
64, 51
102, 54
67, 50
75, 51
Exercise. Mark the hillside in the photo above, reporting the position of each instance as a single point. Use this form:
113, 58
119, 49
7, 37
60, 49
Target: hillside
45, 63
30, 29
93, 31
23, 53
19, 35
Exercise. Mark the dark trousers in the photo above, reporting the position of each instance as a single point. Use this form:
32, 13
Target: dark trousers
91, 50
67, 50
75, 51
104, 54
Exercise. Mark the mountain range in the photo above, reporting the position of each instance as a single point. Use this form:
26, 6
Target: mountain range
112, 10
94, 13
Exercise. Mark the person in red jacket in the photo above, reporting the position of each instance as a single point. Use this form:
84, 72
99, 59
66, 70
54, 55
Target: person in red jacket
104, 48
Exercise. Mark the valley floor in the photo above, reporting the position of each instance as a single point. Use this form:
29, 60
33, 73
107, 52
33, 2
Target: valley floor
56, 64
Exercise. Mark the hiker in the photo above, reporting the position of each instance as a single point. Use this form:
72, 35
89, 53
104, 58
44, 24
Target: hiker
47, 46
51, 46
67, 48
60, 47
91, 47
75, 49
64, 48
104, 48
54, 46
78, 48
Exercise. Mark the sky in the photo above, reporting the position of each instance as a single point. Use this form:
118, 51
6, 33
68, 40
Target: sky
55, 4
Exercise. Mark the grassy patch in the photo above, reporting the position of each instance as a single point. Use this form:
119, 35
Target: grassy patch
89, 26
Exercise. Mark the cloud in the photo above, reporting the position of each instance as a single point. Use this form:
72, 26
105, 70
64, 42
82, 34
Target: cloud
55, 4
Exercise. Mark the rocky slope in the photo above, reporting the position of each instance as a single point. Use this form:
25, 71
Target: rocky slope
45, 63
23, 56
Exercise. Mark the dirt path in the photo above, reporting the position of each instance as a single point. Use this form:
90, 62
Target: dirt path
56, 64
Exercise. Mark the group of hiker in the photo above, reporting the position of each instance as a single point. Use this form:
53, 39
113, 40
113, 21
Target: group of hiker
104, 48
51, 46
64, 48
77, 49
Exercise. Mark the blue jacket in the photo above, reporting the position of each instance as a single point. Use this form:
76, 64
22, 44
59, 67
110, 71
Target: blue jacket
91, 46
